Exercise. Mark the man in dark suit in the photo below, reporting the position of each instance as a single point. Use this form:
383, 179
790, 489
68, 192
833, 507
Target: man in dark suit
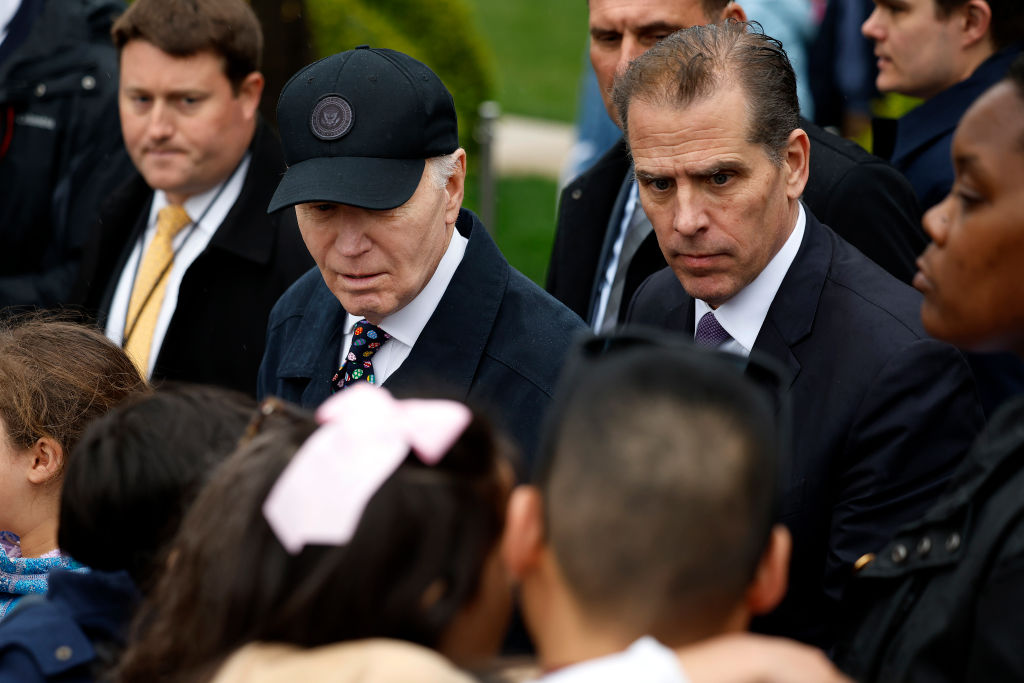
882, 413
409, 290
947, 52
604, 247
184, 265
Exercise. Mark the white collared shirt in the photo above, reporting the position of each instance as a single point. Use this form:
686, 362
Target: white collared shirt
406, 324
209, 209
605, 288
645, 661
743, 315
8, 8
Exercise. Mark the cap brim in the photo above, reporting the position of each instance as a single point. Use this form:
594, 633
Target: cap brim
359, 181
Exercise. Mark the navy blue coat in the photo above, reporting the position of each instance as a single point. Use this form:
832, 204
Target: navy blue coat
496, 341
882, 413
79, 626
920, 143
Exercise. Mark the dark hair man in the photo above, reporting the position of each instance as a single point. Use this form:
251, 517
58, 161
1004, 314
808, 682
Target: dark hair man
409, 291
652, 514
185, 265
604, 246
947, 52
881, 412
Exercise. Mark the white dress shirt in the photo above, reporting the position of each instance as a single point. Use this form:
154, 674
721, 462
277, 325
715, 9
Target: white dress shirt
743, 315
207, 211
8, 8
605, 288
645, 661
406, 324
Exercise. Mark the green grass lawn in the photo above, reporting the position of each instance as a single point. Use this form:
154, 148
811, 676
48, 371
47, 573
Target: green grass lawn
538, 47
525, 224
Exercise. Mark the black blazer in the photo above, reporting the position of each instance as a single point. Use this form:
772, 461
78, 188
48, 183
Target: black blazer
881, 413
861, 196
217, 332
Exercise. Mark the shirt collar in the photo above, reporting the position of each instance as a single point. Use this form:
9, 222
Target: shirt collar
743, 315
211, 206
408, 322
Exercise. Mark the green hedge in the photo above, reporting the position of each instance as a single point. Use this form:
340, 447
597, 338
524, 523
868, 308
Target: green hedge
440, 33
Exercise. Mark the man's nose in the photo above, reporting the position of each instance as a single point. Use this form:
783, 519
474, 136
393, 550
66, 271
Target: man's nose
161, 121
872, 28
351, 238
631, 49
690, 215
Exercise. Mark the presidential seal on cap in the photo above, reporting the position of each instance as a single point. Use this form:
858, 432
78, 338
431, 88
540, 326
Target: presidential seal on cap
357, 127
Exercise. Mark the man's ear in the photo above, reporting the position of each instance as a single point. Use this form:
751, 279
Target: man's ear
770, 582
46, 460
976, 20
250, 90
733, 11
456, 188
797, 162
523, 542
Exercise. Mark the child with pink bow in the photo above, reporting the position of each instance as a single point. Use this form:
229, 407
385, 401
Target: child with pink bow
377, 529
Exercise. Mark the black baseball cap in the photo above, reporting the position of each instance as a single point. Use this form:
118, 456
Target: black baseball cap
357, 127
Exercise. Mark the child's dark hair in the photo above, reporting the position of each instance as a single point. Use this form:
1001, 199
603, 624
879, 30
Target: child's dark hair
138, 468
413, 563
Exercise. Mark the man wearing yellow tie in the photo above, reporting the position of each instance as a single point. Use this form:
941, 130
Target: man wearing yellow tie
185, 265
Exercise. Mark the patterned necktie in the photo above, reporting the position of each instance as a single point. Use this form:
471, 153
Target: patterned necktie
150, 286
367, 339
710, 332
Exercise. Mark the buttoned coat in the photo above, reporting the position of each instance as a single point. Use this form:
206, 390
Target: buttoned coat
882, 413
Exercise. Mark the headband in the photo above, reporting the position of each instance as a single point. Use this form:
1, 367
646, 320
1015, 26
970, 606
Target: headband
365, 435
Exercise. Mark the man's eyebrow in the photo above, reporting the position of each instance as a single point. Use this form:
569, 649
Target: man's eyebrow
658, 27
644, 175
653, 27
717, 166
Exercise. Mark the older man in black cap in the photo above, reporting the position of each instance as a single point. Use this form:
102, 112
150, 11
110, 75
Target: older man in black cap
409, 290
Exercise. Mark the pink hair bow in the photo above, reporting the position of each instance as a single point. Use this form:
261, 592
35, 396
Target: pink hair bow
364, 436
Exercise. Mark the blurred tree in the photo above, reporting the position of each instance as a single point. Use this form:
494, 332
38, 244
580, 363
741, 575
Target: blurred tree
440, 33
286, 47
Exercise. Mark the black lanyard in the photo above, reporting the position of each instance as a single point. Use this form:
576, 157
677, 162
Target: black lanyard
128, 331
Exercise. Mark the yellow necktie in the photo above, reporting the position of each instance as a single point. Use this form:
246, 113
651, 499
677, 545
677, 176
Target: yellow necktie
150, 285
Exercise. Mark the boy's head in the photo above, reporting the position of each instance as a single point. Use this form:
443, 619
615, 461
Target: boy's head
654, 514
138, 468
926, 46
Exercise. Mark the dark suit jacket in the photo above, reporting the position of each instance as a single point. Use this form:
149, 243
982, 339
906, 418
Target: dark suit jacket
863, 198
495, 341
217, 333
881, 413
919, 144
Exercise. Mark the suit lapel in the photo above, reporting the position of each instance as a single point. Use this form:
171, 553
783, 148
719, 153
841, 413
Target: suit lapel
315, 350
445, 358
791, 316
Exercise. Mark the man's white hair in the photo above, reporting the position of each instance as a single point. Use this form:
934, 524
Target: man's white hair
442, 168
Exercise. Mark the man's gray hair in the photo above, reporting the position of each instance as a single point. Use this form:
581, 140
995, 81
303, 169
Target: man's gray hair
442, 168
